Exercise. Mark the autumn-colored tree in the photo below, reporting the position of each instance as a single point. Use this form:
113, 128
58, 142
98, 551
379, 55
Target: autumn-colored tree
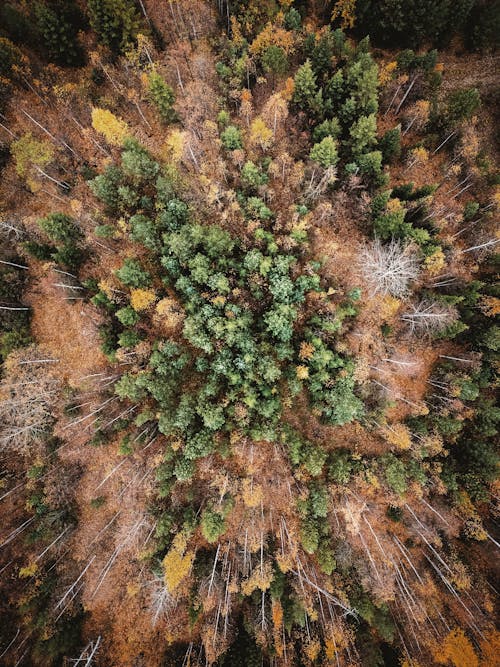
114, 129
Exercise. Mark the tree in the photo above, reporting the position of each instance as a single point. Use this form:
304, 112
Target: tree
57, 25
390, 144
363, 134
305, 88
325, 152
212, 524
133, 275
30, 153
114, 129
345, 11
462, 104
430, 317
60, 228
115, 22
29, 392
162, 96
260, 134
406, 23
274, 60
389, 268
231, 138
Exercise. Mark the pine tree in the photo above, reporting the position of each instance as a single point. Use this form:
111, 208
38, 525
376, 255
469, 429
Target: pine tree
305, 89
58, 33
116, 22
162, 96
325, 152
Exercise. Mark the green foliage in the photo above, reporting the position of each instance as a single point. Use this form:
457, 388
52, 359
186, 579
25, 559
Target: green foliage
115, 22
309, 536
162, 96
340, 467
57, 25
14, 324
274, 60
407, 23
395, 474
293, 20
305, 88
137, 162
252, 176
483, 31
390, 144
231, 138
325, 153
363, 134
133, 275
328, 128
60, 228
212, 525
462, 104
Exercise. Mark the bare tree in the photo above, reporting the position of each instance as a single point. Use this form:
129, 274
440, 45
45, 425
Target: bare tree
429, 317
389, 268
28, 394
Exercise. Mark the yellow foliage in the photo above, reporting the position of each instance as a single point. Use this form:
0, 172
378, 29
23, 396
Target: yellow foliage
251, 493
456, 649
394, 205
236, 36
260, 579
435, 262
344, 10
398, 436
302, 372
419, 155
169, 314
306, 350
389, 307
260, 134
140, 299
272, 35
114, 129
28, 571
173, 148
177, 563
133, 589
106, 287
312, 649
385, 72
28, 151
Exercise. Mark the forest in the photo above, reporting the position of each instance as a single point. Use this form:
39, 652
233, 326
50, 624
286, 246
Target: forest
249, 333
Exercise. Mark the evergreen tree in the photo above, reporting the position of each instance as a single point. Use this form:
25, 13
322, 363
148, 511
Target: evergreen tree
325, 152
115, 22
162, 96
57, 26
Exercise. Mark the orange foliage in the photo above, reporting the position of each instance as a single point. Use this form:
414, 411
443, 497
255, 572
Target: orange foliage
456, 650
490, 649
277, 614
272, 36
